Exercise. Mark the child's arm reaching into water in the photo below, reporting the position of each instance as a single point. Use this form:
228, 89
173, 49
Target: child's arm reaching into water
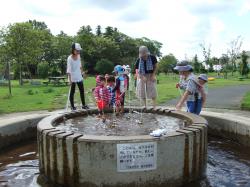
183, 99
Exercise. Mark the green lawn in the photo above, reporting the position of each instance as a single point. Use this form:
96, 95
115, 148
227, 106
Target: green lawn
29, 98
245, 103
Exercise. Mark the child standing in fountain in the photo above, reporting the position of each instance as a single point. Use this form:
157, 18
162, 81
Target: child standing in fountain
101, 94
110, 87
121, 86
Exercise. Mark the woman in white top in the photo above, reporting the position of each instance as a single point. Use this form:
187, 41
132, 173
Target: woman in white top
74, 71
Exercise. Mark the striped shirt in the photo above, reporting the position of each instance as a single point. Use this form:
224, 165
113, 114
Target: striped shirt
102, 93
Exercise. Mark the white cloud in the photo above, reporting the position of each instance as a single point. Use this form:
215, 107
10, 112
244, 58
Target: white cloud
245, 8
179, 25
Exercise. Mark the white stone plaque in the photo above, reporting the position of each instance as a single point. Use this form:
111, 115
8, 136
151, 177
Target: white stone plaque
136, 157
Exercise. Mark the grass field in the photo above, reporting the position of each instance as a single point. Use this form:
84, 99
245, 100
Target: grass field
245, 104
30, 97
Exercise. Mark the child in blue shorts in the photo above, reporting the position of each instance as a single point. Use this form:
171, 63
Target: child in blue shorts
110, 87
194, 95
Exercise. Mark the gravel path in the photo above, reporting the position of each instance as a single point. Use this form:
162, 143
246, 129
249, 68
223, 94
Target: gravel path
223, 98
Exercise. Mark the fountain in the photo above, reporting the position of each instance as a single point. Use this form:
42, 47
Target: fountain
77, 156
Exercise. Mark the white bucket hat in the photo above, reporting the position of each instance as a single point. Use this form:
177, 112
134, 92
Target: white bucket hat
76, 46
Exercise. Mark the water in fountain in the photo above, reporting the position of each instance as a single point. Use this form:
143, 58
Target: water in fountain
91, 125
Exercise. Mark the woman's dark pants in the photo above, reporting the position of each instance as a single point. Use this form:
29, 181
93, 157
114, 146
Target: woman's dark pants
72, 93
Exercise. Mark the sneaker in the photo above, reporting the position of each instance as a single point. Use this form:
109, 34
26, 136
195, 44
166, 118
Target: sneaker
73, 108
85, 107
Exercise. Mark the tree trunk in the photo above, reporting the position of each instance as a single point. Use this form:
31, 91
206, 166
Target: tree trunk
20, 74
9, 82
225, 75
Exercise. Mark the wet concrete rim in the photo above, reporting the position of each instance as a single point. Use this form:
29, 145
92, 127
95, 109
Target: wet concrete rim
190, 119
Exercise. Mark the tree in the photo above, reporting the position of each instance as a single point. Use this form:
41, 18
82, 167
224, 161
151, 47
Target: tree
4, 62
167, 63
61, 50
244, 69
104, 66
206, 50
38, 25
3, 51
197, 64
24, 45
108, 32
224, 61
234, 51
46, 38
31, 43
85, 30
98, 30
106, 48
153, 45
43, 70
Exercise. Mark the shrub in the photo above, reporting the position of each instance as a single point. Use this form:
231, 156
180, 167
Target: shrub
49, 90
55, 72
43, 70
30, 92
104, 66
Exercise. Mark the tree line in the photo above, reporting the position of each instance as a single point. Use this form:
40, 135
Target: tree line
34, 52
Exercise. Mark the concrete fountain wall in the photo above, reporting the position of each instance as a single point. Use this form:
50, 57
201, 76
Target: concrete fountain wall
229, 125
73, 159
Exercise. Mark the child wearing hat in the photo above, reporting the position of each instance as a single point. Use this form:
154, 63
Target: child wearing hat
194, 95
121, 86
186, 73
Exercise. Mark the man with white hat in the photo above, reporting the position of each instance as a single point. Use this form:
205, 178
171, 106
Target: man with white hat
194, 94
75, 71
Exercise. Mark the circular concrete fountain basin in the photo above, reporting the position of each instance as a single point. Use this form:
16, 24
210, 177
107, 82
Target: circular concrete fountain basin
75, 159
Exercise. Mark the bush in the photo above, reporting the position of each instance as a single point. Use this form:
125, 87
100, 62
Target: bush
104, 66
30, 92
49, 90
43, 70
55, 72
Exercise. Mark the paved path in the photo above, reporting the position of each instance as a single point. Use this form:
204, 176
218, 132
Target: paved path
223, 98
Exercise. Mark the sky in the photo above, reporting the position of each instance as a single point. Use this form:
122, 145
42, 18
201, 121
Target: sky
180, 25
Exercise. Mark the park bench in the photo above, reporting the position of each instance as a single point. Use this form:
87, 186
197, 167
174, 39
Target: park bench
56, 81
35, 83
46, 83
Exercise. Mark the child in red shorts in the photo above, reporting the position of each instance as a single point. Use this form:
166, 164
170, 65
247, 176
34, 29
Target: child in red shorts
102, 95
